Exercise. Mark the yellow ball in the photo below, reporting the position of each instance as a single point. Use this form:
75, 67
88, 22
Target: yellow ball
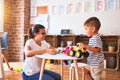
17, 69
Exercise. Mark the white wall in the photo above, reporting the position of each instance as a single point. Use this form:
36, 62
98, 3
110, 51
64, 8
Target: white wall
110, 20
1, 15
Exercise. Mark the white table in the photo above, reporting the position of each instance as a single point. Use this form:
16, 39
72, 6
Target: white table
58, 57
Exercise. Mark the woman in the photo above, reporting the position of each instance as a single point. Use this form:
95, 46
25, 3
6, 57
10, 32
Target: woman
34, 46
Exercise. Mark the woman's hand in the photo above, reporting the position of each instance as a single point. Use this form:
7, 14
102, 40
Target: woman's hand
51, 51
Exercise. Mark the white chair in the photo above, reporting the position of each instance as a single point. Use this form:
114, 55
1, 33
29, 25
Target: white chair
4, 47
2, 76
80, 65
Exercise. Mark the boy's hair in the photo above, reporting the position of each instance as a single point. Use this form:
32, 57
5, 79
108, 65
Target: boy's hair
93, 21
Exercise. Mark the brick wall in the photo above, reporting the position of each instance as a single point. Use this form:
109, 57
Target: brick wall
8, 20
27, 16
16, 23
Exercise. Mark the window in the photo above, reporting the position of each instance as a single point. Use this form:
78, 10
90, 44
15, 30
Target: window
1, 15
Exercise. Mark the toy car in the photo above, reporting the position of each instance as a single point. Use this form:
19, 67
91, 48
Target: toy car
77, 52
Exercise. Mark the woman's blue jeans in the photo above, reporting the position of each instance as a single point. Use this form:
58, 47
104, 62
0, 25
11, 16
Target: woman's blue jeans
48, 75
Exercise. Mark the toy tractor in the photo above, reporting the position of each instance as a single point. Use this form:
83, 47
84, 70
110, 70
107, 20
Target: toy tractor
77, 52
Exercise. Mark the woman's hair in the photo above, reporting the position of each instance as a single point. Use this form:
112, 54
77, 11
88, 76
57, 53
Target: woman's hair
35, 29
93, 21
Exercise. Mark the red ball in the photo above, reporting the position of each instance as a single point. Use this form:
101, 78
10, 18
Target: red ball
11, 69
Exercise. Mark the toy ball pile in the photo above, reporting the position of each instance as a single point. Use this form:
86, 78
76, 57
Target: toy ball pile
76, 51
16, 69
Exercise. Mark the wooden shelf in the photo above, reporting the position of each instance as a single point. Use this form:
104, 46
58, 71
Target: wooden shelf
64, 40
52, 39
107, 52
83, 39
56, 40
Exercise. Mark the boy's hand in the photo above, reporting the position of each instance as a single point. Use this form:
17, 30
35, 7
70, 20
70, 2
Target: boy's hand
82, 45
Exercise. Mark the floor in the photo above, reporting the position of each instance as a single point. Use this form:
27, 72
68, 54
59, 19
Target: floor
17, 66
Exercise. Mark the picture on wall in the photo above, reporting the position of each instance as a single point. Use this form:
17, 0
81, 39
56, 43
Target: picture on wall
80, 7
62, 9
90, 6
111, 4
70, 8
119, 4
55, 10
100, 5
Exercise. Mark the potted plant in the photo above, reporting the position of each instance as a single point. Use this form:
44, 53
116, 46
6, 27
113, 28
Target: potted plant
111, 46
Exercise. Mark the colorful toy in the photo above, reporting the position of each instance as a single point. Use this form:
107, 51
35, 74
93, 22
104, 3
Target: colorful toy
11, 69
48, 61
68, 49
17, 69
21, 70
77, 52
